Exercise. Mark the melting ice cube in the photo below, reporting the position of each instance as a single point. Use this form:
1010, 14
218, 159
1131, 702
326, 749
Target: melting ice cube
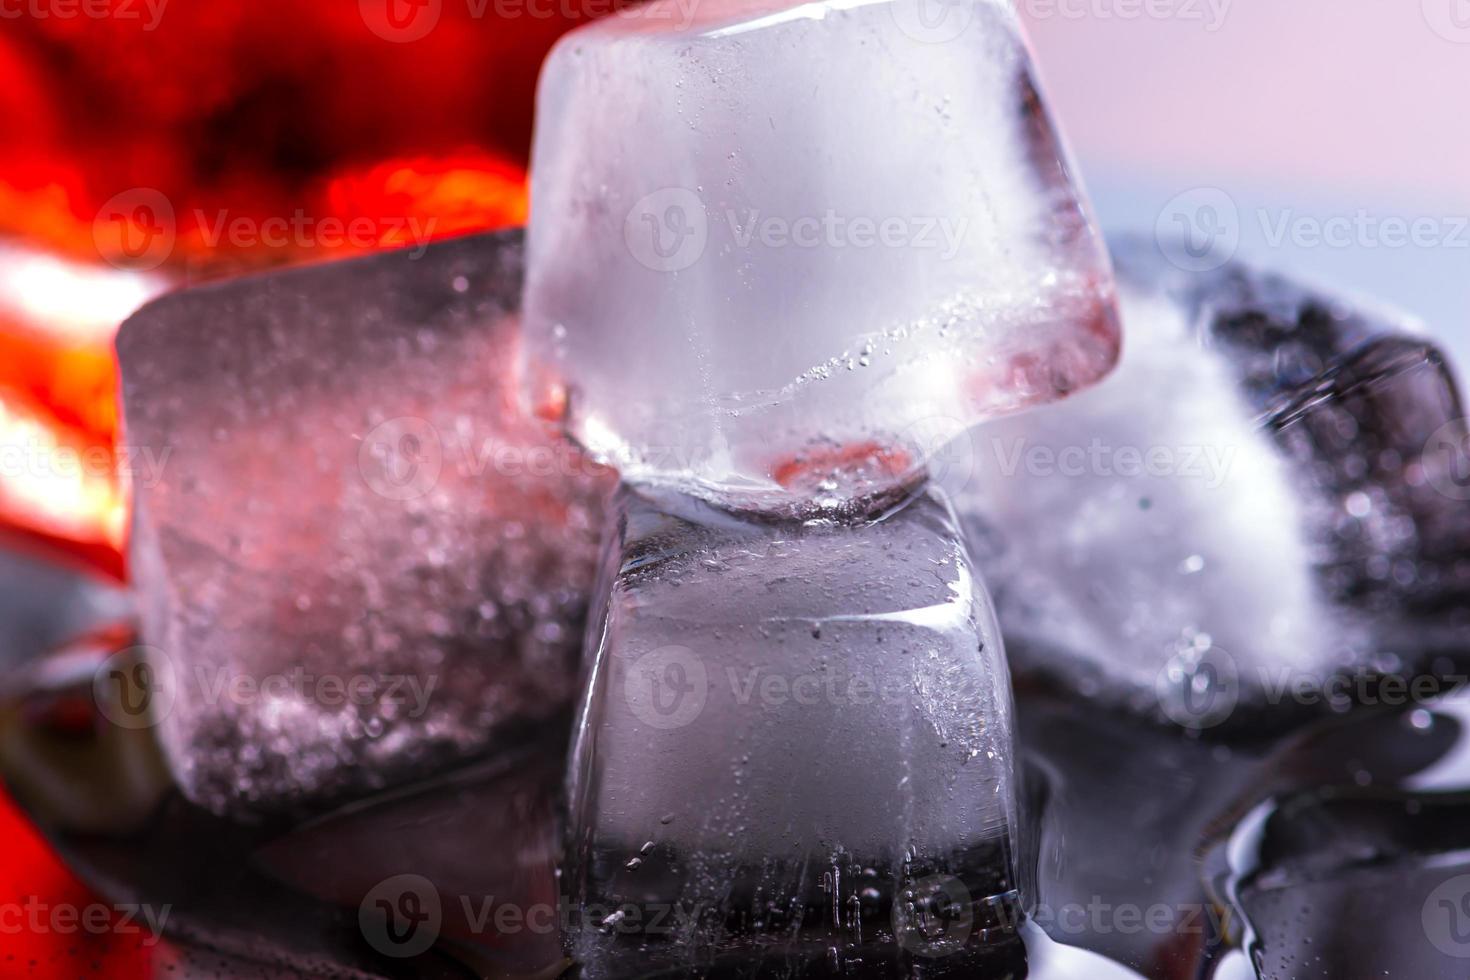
796, 745
767, 239
357, 557
1249, 507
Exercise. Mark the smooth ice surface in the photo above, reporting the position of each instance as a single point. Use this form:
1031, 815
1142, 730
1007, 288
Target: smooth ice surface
1252, 502
360, 558
769, 240
794, 739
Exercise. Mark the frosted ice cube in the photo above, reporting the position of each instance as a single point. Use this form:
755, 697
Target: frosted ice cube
796, 745
359, 558
1246, 506
767, 237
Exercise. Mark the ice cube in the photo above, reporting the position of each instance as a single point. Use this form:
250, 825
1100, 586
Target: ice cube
1364, 880
1245, 509
795, 746
767, 238
358, 558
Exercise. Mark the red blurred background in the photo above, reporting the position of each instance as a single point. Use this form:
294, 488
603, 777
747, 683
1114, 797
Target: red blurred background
146, 144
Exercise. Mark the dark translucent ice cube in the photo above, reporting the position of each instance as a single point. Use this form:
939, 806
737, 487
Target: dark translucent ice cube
795, 748
1364, 880
360, 560
1254, 504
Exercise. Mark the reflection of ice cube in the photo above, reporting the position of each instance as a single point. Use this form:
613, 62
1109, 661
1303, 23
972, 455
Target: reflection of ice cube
1358, 882
1245, 503
796, 739
767, 238
358, 558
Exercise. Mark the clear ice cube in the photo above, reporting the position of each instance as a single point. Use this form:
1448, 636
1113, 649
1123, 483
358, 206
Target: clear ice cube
359, 558
795, 747
1251, 505
767, 239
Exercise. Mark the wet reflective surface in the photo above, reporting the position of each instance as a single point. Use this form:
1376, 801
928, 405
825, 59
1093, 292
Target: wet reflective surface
1149, 853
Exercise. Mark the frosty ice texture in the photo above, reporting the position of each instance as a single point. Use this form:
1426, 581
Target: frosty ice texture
796, 744
768, 238
1253, 498
360, 559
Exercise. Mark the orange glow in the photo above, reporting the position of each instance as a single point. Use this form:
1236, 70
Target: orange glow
57, 480
58, 315
804, 469
448, 196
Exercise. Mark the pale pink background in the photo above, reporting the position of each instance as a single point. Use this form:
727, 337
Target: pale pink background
1318, 107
